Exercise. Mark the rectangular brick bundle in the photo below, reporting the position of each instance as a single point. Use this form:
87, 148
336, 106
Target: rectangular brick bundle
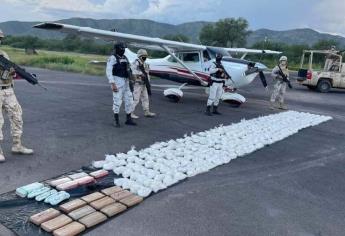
93, 197
59, 181
78, 175
44, 216
111, 190
81, 212
68, 185
99, 174
113, 209
72, 205
71, 229
85, 180
131, 200
56, 223
103, 202
120, 195
93, 219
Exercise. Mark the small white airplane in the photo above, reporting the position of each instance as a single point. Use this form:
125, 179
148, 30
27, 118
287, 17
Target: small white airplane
186, 63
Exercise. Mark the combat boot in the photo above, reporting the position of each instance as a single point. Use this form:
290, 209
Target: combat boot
129, 120
208, 111
2, 157
116, 121
215, 110
282, 106
18, 148
134, 116
272, 105
149, 114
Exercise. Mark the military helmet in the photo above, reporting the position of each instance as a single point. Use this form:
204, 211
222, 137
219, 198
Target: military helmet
142, 53
283, 58
1, 34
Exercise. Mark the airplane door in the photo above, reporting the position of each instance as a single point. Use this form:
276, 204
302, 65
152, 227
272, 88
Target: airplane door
192, 60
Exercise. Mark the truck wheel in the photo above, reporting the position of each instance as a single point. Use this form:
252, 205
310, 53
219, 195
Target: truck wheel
323, 86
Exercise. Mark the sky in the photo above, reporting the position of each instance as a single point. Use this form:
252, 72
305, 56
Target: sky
322, 15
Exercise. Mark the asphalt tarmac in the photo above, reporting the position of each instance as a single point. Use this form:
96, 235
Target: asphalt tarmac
294, 187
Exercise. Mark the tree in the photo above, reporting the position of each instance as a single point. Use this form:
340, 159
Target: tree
229, 32
325, 44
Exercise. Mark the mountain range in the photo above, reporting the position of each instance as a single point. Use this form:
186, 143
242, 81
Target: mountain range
156, 29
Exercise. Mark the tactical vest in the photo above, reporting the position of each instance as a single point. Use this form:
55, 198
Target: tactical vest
5, 78
218, 74
120, 68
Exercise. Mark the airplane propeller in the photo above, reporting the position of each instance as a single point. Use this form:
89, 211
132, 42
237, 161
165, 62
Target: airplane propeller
263, 79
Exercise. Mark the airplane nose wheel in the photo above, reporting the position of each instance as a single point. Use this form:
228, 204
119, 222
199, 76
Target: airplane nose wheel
173, 94
233, 103
233, 99
173, 98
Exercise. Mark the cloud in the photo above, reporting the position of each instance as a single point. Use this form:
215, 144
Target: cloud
329, 16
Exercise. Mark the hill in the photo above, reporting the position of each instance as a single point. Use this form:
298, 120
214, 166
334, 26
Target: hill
156, 29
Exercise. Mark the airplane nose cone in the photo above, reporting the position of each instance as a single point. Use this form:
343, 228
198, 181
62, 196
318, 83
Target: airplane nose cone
260, 66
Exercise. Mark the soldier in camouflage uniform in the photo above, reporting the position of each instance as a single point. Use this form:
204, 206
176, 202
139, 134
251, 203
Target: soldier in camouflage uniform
277, 98
140, 90
10, 105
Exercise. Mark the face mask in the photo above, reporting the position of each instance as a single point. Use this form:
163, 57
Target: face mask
143, 58
283, 63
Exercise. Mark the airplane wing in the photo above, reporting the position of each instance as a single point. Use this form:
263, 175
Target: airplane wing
135, 40
131, 39
252, 51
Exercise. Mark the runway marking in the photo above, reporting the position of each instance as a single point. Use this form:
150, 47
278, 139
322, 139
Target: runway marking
164, 164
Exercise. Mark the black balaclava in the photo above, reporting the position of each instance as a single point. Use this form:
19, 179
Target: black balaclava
219, 58
120, 49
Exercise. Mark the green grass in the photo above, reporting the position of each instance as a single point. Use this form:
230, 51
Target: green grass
62, 61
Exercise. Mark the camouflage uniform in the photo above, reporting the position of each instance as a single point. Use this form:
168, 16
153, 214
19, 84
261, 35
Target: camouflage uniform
10, 105
279, 87
140, 90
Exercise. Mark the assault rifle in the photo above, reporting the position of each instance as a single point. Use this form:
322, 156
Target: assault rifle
146, 78
220, 65
7, 65
285, 78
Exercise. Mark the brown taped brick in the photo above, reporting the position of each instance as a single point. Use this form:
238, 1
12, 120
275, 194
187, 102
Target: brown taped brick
44, 216
113, 209
120, 195
111, 190
72, 205
78, 175
99, 173
57, 182
103, 202
92, 197
56, 223
71, 229
93, 219
131, 200
81, 212
85, 180
68, 185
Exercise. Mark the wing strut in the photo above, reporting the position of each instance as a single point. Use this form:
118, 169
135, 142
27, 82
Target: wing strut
204, 83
